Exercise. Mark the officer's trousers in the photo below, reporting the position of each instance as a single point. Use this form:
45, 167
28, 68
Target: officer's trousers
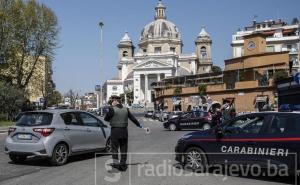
119, 139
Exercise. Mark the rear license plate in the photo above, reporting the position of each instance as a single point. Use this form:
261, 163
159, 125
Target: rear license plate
24, 136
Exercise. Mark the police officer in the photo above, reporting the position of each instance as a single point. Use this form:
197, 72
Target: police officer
118, 118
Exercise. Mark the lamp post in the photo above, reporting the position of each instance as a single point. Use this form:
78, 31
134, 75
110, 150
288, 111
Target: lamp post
101, 24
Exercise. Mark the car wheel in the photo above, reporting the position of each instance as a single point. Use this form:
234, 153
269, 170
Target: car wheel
17, 158
172, 127
206, 126
108, 146
195, 159
60, 155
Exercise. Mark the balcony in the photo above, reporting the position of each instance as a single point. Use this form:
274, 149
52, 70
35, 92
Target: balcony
211, 88
216, 87
246, 84
253, 84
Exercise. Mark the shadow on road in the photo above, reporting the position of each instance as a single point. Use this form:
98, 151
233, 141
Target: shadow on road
42, 162
224, 175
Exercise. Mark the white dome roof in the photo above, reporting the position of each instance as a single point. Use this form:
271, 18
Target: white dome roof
160, 28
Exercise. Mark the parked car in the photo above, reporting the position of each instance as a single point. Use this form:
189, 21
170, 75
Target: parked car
137, 106
56, 135
149, 114
190, 120
104, 110
156, 114
250, 139
164, 116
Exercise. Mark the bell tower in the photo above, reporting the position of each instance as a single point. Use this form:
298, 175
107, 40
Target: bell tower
126, 48
203, 51
126, 52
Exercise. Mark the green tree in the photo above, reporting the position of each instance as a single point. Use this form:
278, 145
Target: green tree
202, 89
177, 90
28, 35
216, 69
55, 98
11, 100
129, 96
73, 96
279, 75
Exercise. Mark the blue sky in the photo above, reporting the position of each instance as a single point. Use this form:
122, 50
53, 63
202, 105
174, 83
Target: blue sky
77, 61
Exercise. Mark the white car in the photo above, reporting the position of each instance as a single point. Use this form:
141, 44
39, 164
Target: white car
56, 135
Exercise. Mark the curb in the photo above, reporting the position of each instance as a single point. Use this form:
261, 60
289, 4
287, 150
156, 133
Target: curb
3, 129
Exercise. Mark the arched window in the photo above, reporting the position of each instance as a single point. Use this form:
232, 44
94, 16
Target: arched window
125, 53
203, 52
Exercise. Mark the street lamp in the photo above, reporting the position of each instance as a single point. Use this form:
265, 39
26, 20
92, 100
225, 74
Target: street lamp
101, 24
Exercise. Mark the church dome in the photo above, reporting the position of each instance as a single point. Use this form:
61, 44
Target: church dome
160, 28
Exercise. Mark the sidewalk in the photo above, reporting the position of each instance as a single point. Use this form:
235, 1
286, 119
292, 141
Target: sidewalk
3, 129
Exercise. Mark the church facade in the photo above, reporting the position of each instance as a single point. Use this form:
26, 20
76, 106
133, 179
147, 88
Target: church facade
159, 55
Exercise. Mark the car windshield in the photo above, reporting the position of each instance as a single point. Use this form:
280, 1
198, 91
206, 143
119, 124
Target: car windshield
186, 115
35, 119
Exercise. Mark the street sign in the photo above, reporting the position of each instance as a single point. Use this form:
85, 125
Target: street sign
297, 78
174, 98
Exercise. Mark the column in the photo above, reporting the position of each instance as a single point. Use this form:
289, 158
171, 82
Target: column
136, 87
158, 77
146, 87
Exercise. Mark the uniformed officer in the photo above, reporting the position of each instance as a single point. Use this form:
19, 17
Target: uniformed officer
118, 118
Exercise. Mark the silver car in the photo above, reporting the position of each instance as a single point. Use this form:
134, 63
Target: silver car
56, 134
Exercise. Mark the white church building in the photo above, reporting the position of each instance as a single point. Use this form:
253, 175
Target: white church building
159, 55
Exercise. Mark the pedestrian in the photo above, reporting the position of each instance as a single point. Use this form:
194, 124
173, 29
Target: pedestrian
216, 116
118, 118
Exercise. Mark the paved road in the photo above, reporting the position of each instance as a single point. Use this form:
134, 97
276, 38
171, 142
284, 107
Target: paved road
143, 168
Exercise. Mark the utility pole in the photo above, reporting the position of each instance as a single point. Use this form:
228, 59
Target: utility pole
101, 24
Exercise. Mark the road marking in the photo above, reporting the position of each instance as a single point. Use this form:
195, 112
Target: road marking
3, 133
148, 120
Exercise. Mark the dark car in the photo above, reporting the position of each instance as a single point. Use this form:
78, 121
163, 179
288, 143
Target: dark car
190, 120
251, 139
149, 114
156, 115
164, 116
